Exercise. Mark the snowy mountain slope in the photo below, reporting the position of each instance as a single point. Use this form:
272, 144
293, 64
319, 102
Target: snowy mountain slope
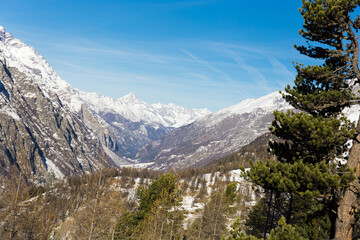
123, 125
38, 135
130, 128
219, 133
265, 104
215, 135
135, 110
23, 57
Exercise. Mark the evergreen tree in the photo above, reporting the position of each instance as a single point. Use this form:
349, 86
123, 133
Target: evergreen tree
257, 218
236, 232
157, 214
312, 138
284, 231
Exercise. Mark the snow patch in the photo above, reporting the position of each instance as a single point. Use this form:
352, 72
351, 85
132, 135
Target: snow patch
54, 170
7, 110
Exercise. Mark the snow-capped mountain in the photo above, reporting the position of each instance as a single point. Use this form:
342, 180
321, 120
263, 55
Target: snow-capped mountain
62, 129
214, 135
123, 125
25, 58
56, 118
38, 135
220, 133
135, 110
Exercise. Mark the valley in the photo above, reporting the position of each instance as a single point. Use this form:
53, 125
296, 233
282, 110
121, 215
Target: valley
82, 165
128, 130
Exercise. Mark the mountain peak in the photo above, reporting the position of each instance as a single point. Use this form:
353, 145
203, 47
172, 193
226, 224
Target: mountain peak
131, 97
269, 102
4, 34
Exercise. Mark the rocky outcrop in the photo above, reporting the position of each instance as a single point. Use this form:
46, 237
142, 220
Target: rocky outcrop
38, 134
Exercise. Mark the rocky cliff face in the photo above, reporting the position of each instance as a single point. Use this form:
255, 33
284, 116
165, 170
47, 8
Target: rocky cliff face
120, 135
38, 134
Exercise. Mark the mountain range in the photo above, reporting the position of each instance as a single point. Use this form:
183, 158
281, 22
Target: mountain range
53, 130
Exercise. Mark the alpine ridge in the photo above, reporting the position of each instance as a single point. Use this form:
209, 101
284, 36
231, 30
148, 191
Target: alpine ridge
220, 133
66, 129
214, 135
147, 122
95, 122
27, 60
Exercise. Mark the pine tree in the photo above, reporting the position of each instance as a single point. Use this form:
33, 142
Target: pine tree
236, 232
157, 215
257, 218
312, 138
284, 231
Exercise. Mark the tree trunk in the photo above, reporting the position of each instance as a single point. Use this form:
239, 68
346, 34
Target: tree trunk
347, 204
268, 214
201, 223
216, 216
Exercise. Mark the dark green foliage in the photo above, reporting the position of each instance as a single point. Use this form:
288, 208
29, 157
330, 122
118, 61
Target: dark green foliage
309, 217
165, 186
230, 192
324, 90
155, 202
309, 138
316, 94
126, 226
257, 219
285, 232
312, 138
299, 177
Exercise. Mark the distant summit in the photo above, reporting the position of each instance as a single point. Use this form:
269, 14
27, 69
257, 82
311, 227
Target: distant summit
4, 34
131, 97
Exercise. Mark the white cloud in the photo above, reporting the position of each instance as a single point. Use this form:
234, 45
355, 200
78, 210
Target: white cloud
208, 65
255, 74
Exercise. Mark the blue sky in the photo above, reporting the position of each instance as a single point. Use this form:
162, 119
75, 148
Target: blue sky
201, 53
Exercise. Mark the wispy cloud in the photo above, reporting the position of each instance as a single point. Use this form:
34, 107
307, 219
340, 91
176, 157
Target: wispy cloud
244, 48
200, 69
208, 65
281, 69
120, 53
256, 75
